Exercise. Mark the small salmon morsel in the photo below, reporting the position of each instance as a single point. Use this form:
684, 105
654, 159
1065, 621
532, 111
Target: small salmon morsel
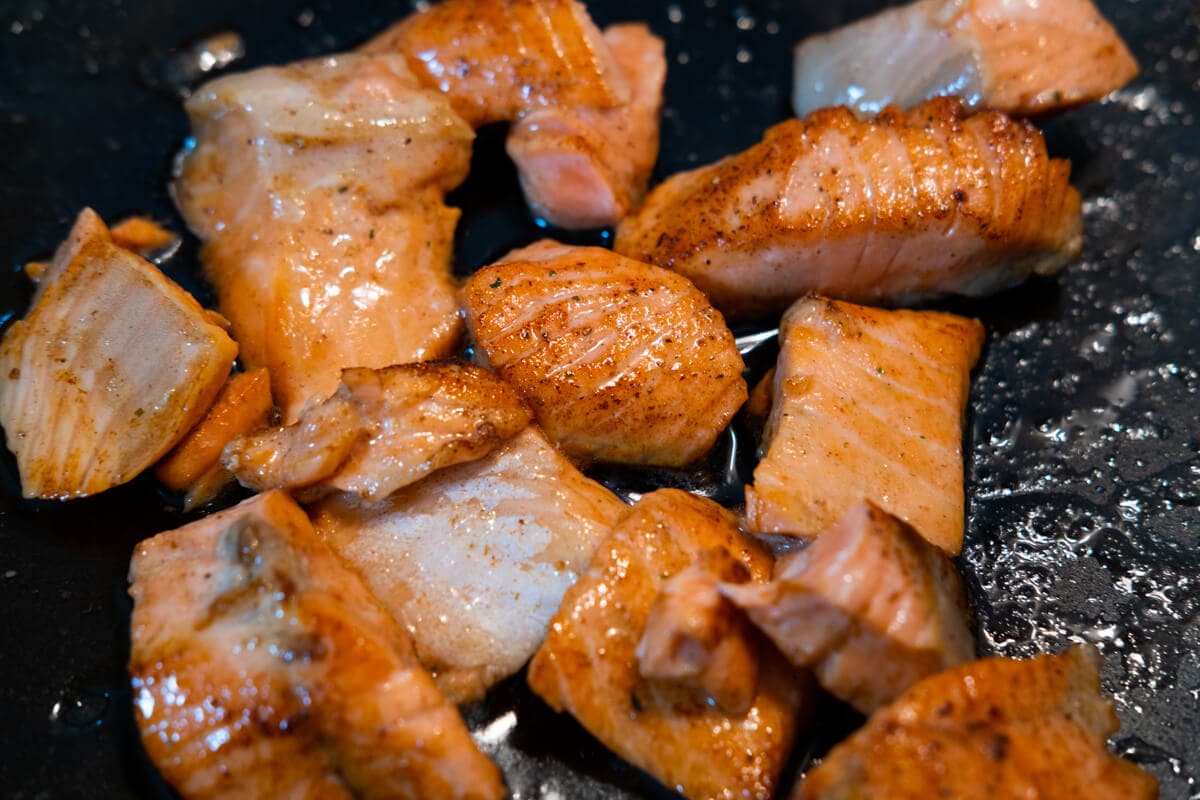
262, 667
473, 561
589, 668
583, 167
695, 638
194, 465
113, 365
891, 210
997, 729
382, 430
318, 188
621, 361
497, 59
869, 404
1017, 56
869, 606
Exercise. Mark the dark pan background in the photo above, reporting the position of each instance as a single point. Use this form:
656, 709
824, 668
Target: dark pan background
1082, 438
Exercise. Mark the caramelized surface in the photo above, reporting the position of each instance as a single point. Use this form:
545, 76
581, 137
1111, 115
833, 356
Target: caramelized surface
318, 187
588, 666
620, 361
892, 210
262, 667
996, 729
383, 430
473, 561
869, 606
1018, 56
113, 365
496, 59
868, 405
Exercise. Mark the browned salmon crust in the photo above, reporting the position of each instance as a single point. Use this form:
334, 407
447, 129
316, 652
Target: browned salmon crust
868, 404
620, 361
262, 667
588, 667
996, 729
891, 210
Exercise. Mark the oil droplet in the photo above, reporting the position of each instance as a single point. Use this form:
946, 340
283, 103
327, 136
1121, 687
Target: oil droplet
674, 13
743, 55
179, 71
306, 18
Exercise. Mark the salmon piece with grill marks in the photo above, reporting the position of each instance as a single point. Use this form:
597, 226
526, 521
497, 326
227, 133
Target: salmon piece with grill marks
903, 207
868, 404
1017, 56
262, 667
996, 729
620, 361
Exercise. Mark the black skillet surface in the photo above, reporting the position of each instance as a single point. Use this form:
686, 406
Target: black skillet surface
1082, 444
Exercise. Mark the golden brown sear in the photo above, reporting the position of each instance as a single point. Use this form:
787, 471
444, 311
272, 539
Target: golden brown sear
588, 664
996, 729
620, 361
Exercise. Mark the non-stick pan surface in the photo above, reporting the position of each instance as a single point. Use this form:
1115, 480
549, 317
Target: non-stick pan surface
1082, 441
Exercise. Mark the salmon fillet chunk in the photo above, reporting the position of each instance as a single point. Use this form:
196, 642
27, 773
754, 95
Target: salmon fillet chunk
620, 361
113, 365
997, 729
318, 190
588, 664
1018, 56
382, 430
903, 207
262, 667
868, 404
869, 606
474, 560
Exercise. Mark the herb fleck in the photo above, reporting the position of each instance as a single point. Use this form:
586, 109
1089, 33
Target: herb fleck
495, 284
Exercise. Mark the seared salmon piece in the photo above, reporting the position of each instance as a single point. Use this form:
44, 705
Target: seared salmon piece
588, 664
891, 210
262, 667
474, 560
586, 167
1017, 56
621, 361
696, 639
869, 405
318, 188
497, 59
113, 365
382, 430
869, 606
194, 465
997, 729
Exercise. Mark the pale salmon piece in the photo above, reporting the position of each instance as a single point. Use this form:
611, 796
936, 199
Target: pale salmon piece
697, 640
262, 667
194, 465
869, 405
997, 729
621, 361
869, 606
474, 560
1017, 56
584, 167
113, 365
318, 188
497, 59
588, 664
891, 210
383, 430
